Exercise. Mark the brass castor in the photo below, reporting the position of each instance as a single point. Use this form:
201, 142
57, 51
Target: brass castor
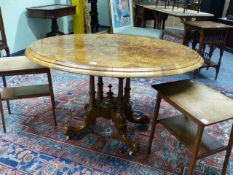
133, 149
69, 131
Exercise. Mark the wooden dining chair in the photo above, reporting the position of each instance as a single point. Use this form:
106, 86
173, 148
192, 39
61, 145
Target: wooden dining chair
21, 65
122, 22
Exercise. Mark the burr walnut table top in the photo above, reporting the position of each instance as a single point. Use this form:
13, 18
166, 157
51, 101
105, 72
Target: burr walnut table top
114, 55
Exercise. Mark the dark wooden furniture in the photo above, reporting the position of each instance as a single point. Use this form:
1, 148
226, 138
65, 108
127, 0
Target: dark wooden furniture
52, 12
10, 66
229, 44
229, 21
160, 14
3, 41
142, 15
177, 3
201, 107
94, 16
208, 33
195, 5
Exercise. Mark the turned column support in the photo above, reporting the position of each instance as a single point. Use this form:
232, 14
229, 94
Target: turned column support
127, 90
100, 88
120, 97
92, 91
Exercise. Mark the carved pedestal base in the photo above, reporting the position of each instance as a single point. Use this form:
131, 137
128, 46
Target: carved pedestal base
118, 109
54, 29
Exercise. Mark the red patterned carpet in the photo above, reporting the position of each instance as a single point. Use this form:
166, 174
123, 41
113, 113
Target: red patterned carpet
34, 146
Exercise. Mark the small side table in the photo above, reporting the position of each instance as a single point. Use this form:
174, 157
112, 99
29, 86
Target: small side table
209, 33
201, 107
52, 12
225, 20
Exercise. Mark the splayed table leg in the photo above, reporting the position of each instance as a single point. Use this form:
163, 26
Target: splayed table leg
128, 107
118, 109
92, 112
119, 120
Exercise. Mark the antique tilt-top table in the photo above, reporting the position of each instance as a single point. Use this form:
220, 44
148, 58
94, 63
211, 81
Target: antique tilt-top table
109, 55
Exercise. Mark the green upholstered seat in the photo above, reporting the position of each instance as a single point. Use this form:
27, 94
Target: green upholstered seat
139, 31
179, 33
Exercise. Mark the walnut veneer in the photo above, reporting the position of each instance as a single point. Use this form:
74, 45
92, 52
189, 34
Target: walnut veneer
114, 55
119, 56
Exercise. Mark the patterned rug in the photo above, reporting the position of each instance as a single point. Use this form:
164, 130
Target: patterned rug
33, 145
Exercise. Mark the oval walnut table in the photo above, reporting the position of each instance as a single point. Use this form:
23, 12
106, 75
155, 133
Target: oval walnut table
123, 57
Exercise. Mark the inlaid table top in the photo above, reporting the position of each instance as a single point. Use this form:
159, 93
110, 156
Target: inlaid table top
113, 55
178, 12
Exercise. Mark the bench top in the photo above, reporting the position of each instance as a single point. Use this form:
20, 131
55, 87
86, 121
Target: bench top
18, 63
204, 104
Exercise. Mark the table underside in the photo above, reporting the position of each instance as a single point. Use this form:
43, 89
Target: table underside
118, 109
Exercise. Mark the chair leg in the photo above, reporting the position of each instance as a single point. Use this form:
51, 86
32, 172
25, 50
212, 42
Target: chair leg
7, 51
157, 2
217, 72
2, 117
156, 114
7, 101
174, 3
195, 149
228, 153
52, 97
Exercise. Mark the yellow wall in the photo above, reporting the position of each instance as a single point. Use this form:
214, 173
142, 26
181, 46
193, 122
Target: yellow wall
78, 18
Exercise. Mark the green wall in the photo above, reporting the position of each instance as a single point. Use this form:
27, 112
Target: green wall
21, 30
103, 13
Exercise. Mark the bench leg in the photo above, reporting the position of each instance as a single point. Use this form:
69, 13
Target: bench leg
7, 51
7, 101
156, 114
52, 97
195, 149
2, 116
228, 153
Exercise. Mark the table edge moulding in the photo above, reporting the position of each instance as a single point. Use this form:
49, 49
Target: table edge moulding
123, 71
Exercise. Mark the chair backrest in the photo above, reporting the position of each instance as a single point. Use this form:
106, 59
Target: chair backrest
2, 30
121, 14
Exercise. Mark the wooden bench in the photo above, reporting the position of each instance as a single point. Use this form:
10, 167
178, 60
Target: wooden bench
201, 107
21, 65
